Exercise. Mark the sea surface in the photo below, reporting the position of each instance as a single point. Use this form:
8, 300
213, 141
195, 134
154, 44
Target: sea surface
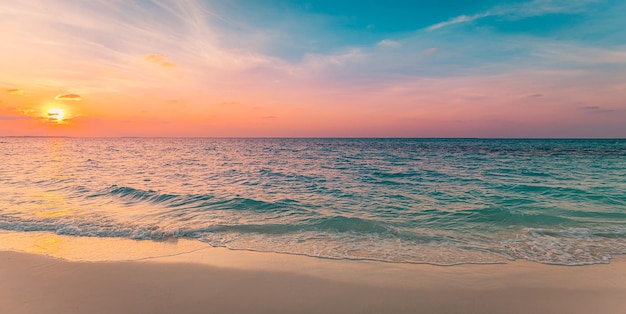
438, 201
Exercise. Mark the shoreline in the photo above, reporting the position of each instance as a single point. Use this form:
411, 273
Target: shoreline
189, 277
39, 284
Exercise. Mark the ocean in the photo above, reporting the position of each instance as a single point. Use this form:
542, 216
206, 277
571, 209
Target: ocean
436, 201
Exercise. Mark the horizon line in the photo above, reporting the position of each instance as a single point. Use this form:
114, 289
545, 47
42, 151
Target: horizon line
314, 137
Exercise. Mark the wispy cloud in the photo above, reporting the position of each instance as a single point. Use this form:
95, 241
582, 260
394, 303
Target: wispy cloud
74, 97
566, 52
320, 61
458, 20
159, 59
15, 91
131, 57
520, 11
14, 118
388, 43
595, 109
11, 114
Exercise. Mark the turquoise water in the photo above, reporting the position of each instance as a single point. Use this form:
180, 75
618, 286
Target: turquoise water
400, 200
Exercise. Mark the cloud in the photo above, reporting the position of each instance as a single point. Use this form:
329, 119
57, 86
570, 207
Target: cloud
15, 91
10, 114
316, 61
458, 20
388, 43
571, 53
541, 7
429, 51
521, 11
590, 107
159, 59
11, 118
54, 116
301, 72
68, 97
595, 109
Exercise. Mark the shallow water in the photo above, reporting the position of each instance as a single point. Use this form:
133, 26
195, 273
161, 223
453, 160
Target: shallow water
400, 200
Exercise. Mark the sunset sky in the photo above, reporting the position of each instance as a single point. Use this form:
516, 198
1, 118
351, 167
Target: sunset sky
279, 68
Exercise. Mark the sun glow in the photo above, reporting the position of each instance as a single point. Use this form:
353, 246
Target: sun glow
56, 114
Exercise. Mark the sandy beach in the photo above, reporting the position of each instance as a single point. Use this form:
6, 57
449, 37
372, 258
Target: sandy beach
285, 156
214, 280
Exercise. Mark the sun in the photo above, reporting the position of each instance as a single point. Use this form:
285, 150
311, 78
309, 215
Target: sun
56, 114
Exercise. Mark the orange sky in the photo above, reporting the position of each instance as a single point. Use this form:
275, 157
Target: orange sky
187, 68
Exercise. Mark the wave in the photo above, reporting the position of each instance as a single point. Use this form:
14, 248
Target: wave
354, 238
432, 236
335, 224
570, 246
403, 200
512, 217
192, 201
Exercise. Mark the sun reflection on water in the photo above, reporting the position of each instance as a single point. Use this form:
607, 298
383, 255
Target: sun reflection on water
47, 244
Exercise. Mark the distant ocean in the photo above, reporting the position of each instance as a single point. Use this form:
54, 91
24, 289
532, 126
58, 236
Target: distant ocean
438, 201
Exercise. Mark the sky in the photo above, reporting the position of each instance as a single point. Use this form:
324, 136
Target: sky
281, 68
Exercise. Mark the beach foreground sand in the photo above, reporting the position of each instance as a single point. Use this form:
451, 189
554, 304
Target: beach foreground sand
252, 282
